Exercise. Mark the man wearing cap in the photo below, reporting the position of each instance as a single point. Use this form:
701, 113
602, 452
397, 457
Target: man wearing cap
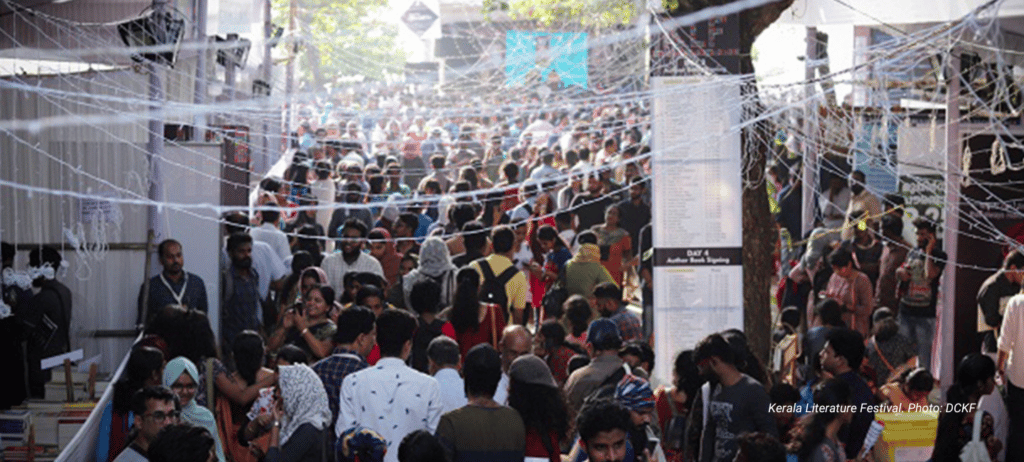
603, 343
608, 301
482, 430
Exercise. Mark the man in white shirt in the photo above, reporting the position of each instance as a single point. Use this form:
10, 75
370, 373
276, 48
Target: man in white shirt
351, 256
545, 170
390, 398
323, 190
270, 233
1011, 368
443, 363
516, 341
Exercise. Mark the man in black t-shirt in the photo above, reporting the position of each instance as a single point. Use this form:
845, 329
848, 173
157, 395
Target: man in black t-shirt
919, 288
589, 208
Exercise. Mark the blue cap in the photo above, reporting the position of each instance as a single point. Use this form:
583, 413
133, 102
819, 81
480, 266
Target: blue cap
602, 332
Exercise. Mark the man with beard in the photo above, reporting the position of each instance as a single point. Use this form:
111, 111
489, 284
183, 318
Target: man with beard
173, 286
589, 209
351, 257
240, 286
737, 404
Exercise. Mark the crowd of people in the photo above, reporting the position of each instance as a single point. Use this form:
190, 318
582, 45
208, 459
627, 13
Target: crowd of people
424, 287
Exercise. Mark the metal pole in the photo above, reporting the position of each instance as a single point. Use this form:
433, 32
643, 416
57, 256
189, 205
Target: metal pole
810, 171
942, 358
268, 73
199, 121
289, 82
155, 148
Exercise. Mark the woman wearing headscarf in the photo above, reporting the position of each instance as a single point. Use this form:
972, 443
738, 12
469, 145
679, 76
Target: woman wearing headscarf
382, 247
435, 264
182, 377
301, 417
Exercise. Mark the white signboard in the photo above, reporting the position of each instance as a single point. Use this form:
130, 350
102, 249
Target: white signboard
697, 212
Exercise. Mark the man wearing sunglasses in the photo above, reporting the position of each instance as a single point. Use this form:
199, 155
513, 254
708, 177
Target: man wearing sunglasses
154, 409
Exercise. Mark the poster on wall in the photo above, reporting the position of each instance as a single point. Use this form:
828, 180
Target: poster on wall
697, 212
558, 58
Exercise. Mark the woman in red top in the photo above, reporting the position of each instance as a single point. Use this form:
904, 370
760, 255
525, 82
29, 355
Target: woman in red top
474, 322
550, 344
532, 392
673, 404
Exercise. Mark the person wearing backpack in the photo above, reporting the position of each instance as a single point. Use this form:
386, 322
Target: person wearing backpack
603, 343
500, 282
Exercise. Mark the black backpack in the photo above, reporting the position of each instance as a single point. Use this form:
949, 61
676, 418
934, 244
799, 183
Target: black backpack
492, 288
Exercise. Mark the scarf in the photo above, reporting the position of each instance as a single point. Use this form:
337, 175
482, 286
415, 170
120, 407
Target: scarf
435, 260
193, 413
607, 236
588, 253
305, 400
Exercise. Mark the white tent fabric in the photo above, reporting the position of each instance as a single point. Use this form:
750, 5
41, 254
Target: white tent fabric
866, 12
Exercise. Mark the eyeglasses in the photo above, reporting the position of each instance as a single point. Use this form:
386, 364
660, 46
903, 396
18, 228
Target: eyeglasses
160, 416
179, 386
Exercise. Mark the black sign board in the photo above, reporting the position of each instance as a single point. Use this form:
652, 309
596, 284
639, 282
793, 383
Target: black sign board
713, 44
419, 18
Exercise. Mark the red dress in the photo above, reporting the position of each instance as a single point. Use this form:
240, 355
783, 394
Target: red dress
488, 331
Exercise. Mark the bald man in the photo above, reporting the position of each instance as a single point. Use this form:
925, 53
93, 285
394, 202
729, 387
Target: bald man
516, 341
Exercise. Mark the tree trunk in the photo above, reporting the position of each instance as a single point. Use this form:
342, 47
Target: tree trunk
759, 235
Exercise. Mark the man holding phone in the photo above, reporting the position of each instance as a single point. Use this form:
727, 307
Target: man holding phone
918, 289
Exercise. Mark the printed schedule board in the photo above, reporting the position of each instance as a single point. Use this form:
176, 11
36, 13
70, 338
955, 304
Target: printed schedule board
697, 212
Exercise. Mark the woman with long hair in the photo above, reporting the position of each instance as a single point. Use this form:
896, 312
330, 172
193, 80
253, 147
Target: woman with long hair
532, 392
308, 326
144, 368
550, 345
182, 377
578, 314
818, 440
673, 404
615, 245
248, 352
474, 322
975, 377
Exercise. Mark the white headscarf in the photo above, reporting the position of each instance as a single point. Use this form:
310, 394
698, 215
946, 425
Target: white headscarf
305, 400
